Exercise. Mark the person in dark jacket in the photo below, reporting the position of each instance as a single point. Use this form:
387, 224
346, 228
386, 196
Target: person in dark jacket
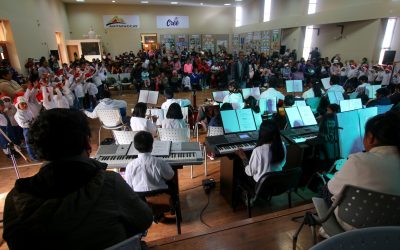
72, 202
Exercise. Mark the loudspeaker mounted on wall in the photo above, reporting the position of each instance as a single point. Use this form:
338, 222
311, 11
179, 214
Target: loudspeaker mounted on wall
388, 57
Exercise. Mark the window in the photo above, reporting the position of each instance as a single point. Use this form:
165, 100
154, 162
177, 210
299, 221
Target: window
387, 39
312, 7
267, 10
239, 15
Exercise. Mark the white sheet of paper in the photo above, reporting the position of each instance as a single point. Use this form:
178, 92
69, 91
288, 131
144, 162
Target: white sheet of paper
143, 95
152, 97
297, 86
326, 82
307, 116
294, 117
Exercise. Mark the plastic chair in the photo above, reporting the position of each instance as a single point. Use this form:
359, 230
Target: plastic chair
175, 203
110, 119
270, 184
132, 243
358, 207
211, 131
124, 137
373, 238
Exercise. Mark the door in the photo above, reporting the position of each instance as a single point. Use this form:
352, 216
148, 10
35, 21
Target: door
72, 49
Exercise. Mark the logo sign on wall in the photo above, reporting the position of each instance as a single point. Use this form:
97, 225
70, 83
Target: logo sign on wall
172, 22
120, 21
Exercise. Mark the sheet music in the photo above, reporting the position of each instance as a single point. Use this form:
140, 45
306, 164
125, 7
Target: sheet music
257, 119
246, 120
294, 117
152, 97
335, 97
371, 89
160, 148
352, 104
143, 94
229, 121
268, 105
307, 116
326, 82
339, 96
300, 103
255, 92
219, 96
294, 86
289, 86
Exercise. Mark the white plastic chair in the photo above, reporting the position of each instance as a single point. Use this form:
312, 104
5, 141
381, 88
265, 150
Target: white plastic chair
124, 137
211, 131
110, 119
185, 113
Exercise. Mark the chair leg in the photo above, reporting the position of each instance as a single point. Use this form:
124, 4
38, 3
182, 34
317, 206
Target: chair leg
191, 171
205, 161
99, 135
308, 220
290, 198
248, 205
178, 215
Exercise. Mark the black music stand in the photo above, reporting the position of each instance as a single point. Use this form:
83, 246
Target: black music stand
11, 147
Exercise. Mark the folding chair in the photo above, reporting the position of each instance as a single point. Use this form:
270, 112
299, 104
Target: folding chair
124, 137
110, 119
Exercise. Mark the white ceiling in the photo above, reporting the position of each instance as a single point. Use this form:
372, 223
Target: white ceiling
198, 3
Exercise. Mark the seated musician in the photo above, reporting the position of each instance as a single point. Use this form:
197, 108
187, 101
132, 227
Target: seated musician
377, 169
235, 97
174, 117
381, 98
268, 156
139, 121
146, 172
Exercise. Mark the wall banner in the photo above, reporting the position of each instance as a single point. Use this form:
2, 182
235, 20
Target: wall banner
172, 22
121, 21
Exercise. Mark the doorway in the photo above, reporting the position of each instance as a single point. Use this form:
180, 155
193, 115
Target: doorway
72, 50
149, 41
3, 51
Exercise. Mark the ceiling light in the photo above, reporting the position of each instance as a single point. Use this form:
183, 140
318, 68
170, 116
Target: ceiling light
238, 0
113, 1
201, 3
80, 1
227, 4
174, 2
144, 1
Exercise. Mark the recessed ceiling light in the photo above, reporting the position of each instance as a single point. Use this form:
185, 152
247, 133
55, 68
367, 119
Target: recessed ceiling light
201, 3
227, 4
174, 2
81, 1
238, 0
144, 1
113, 1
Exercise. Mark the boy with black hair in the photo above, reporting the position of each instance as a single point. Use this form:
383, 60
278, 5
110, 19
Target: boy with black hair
146, 172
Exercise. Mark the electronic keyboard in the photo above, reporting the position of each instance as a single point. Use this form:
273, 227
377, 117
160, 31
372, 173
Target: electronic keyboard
228, 144
181, 153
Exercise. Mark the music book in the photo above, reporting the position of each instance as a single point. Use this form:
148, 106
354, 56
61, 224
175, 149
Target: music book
300, 103
294, 86
300, 116
326, 82
255, 92
351, 104
219, 96
148, 96
240, 120
352, 129
335, 97
268, 105
371, 89
160, 148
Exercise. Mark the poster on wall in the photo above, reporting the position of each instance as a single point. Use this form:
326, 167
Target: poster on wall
172, 22
236, 43
265, 42
121, 21
181, 42
256, 43
194, 43
222, 45
168, 42
276, 40
208, 43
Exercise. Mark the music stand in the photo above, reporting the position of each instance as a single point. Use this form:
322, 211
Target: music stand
10, 147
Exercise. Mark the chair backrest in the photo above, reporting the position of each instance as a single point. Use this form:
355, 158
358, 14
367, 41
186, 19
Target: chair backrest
124, 137
110, 117
132, 243
276, 183
362, 208
213, 131
373, 238
185, 113
174, 134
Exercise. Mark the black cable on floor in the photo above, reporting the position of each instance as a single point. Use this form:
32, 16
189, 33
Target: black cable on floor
190, 188
204, 209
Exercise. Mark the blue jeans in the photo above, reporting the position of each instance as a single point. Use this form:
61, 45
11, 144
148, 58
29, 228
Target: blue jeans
31, 154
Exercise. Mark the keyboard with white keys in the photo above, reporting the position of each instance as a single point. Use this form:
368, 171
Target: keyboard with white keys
181, 153
228, 149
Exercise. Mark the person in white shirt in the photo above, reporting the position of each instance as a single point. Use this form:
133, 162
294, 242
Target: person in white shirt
378, 169
335, 87
268, 156
272, 93
169, 96
106, 104
234, 97
362, 88
146, 172
315, 89
139, 121
386, 76
174, 117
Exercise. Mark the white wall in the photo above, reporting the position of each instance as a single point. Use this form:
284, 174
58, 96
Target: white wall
202, 20
253, 12
396, 40
33, 24
293, 38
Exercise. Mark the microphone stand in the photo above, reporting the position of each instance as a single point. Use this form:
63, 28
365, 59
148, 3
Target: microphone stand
10, 147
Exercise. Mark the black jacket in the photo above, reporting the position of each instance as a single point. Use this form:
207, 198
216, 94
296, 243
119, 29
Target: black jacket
73, 204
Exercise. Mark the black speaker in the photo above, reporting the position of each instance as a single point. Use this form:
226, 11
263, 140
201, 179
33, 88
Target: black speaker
388, 57
282, 49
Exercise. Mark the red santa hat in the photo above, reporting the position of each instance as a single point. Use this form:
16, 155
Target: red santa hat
59, 72
389, 68
19, 97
